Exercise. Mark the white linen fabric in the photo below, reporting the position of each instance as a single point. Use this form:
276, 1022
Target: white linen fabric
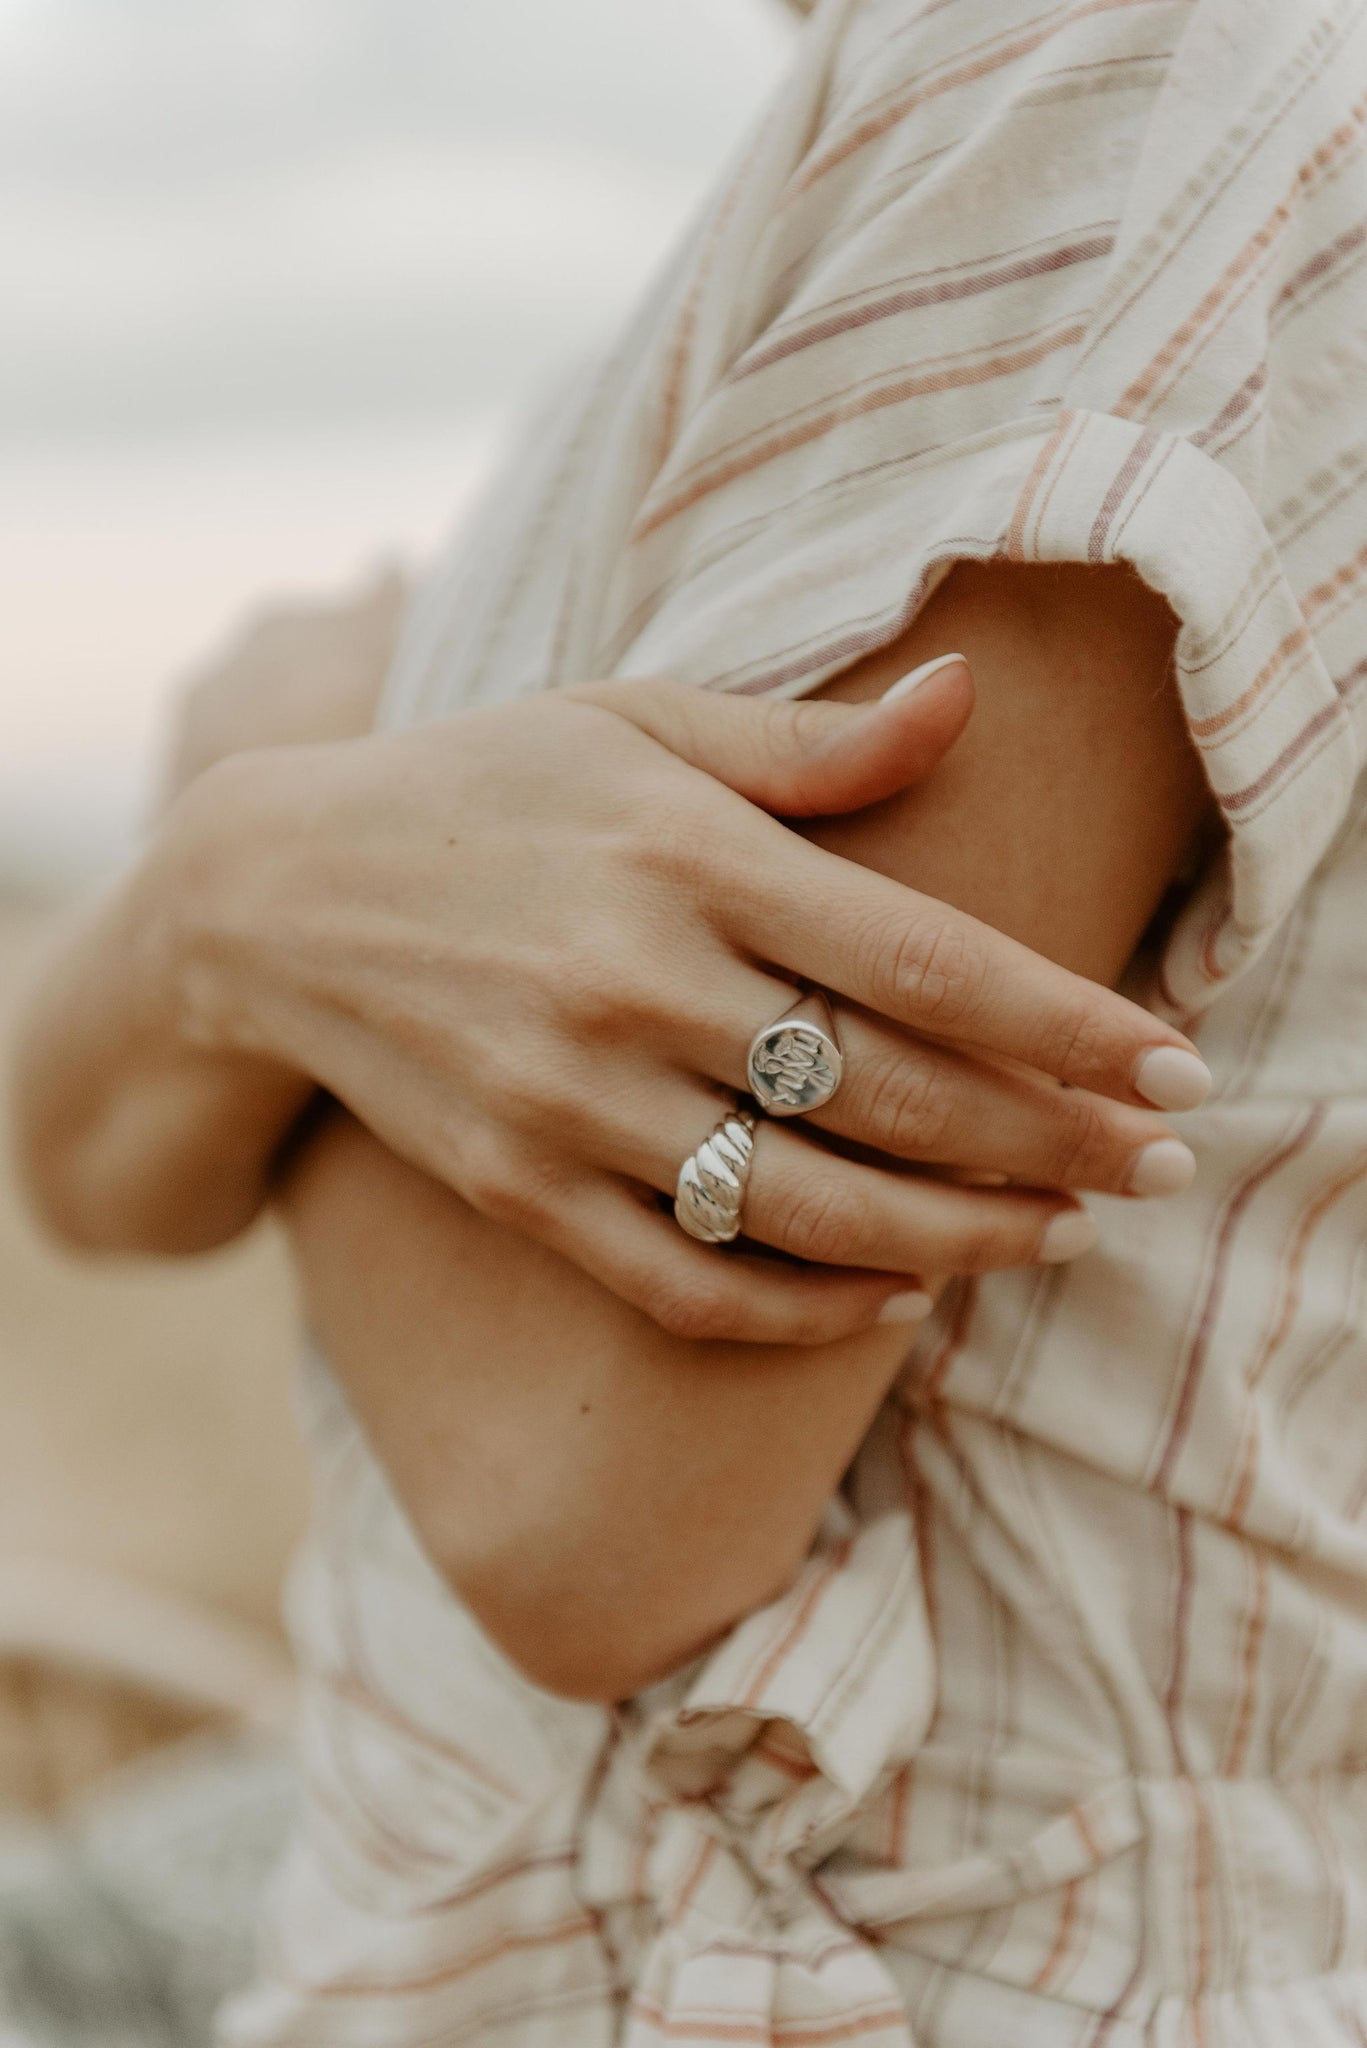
1060, 1737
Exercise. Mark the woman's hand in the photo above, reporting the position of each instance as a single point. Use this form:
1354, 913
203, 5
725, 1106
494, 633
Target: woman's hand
529, 948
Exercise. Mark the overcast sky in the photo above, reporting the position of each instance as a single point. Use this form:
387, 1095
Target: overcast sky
277, 273
335, 210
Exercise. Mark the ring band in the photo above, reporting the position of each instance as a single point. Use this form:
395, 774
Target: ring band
794, 1066
713, 1180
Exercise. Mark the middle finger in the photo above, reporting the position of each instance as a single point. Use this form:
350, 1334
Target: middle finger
912, 1099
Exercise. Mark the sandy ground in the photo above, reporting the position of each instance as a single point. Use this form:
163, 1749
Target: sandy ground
145, 1418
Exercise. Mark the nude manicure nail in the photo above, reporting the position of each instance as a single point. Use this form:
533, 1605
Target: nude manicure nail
1167, 1167
1072, 1232
918, 676
1172, 1079
906, 1308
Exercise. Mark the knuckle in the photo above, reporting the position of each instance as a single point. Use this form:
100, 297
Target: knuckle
695, 1310
998, 1243
823, 1221
495, 1193
938, 972
910, 1109
520, 1092
505, 1200
792, 730
1076, 1044
669, 835
1082, 1140
520, 1194
597, 997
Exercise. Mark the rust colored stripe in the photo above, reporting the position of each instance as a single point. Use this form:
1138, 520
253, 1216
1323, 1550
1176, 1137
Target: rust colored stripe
876, 125
1296, 642
555, 1936
1110, 2019
1240, 799
910, 298
1115, 496
1305, 1129
797, 1627
1292, 1285
353, 1691
1177, 1675
1203, 1874
1202, 320
1299, 81
768, 2033
1236, 1756
1250, 390
1053, 1962
1020, 517
800, 435
1321, 265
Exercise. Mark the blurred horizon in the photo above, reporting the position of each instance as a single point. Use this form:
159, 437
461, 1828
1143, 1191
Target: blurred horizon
281, 273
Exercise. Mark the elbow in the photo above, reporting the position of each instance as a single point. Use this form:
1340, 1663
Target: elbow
578, 1651
50, 1182
583, 1660
585, 1630
76, 1204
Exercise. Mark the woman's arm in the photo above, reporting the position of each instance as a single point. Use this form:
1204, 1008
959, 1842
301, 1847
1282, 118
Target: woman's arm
186, 1161
607, 1498
526, 947
1075, 795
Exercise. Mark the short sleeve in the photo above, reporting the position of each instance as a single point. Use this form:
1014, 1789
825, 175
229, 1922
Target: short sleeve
989, 282
1038, 320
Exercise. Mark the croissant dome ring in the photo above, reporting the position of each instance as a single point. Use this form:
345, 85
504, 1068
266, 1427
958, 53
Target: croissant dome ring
795, 1066
713, 1180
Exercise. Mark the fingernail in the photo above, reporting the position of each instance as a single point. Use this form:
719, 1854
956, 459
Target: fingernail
918, 676
1172, 1079
1164, 1168
1072, 1232
906, 1308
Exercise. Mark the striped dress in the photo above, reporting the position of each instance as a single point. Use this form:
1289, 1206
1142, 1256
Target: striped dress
1060, 1737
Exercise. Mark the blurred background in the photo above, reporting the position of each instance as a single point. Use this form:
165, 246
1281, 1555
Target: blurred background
279, 274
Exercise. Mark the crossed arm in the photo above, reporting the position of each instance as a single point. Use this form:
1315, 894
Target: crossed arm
608, 1496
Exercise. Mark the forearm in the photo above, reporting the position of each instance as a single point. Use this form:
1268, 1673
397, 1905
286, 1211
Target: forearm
604, 1497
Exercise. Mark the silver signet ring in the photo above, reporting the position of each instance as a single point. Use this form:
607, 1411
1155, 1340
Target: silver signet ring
795, 1066
710, 1196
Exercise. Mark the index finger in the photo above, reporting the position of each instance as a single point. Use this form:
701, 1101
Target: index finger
824, 919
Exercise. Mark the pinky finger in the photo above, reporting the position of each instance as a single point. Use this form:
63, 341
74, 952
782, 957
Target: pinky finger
720, 1294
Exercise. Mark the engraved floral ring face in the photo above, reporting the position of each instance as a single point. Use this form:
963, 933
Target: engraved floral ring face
795, 1066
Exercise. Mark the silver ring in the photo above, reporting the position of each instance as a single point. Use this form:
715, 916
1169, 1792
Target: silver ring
795, 1066
713, 1180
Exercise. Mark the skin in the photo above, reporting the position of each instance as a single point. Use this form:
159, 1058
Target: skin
608, 1502
527, 948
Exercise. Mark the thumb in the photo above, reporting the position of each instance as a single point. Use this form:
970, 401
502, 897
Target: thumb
804, 759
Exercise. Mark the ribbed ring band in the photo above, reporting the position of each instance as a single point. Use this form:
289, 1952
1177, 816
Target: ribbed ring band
712, 1181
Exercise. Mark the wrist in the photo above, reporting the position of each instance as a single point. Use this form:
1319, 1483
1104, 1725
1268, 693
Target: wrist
211, 890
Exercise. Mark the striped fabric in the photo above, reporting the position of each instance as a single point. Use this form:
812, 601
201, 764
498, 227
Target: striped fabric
1061, 1735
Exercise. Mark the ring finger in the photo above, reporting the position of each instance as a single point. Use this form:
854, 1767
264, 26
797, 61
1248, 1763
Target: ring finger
817, 1206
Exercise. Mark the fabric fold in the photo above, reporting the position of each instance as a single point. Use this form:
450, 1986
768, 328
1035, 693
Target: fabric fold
753, 1770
